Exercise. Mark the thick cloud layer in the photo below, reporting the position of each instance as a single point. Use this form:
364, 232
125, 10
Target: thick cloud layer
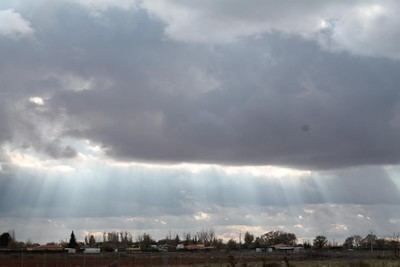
279, 97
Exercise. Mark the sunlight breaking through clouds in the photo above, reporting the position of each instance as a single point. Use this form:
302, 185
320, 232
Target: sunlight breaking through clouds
158, 116
209, 197
36, 100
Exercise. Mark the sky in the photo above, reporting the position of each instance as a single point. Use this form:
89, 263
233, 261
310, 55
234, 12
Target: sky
173, 116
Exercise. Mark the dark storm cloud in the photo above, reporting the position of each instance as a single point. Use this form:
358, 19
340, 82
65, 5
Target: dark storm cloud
271, 99
255, 114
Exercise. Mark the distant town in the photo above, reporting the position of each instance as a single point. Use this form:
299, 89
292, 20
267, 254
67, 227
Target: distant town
204, 240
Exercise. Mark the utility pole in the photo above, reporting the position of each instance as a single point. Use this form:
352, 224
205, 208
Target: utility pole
22, 258
370, 240
240, 240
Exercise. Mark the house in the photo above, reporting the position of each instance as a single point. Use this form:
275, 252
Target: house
259, 250
180, 247
132, 250
91, 251
194, 247
70, 250
47, 248
287, 248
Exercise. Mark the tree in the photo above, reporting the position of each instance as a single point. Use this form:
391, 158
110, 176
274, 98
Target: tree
92, 241
145, 241
306, 245
206, 237
72, 241
395, 244
218, 243
5, 240
320, 241
381, 243
248, 239
177, 239
278, 237
258, 242
187, 238
369, 241
113, 237
232, 244
353, 241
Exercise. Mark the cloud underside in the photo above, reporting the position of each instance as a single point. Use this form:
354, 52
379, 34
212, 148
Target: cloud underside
120, 78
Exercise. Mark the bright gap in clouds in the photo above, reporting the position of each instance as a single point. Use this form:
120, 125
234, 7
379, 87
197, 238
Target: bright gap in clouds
37, 100
88, 152
85, 187
93, 193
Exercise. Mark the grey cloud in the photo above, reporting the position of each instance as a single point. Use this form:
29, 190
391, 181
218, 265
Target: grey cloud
13, 25
257, 113
279, 99
360, 27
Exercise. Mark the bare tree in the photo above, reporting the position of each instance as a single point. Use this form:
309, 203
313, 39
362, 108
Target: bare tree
320, 241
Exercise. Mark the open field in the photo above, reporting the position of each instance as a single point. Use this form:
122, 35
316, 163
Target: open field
210, 259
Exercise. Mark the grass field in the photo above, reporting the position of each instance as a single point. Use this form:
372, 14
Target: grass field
214, 259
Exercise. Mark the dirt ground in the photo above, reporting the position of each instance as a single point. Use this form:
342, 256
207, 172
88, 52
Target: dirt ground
210, 259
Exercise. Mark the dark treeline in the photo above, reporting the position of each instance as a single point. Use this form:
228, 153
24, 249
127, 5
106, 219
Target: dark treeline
110, 241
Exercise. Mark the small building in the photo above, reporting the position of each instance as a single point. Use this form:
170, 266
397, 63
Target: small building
92, 251
259, 250
70, 250
194, 247
47, 248
298, 249
132, 250
287, 248
180, 247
